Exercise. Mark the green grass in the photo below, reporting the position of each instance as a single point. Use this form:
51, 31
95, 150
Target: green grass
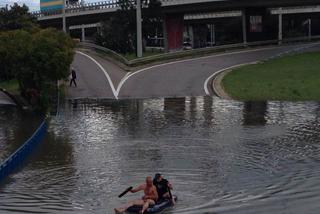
11, 86
131, 56
292, 78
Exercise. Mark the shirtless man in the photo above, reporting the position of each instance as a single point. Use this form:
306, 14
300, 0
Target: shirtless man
150, 197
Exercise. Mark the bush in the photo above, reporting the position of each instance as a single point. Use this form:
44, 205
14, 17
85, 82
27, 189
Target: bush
36, 60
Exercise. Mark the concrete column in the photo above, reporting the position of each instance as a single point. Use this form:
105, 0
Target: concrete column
244, 27
83, 34
165, 34
139, 29
309, 29
191, 35
99, 30
64, 26
280, 27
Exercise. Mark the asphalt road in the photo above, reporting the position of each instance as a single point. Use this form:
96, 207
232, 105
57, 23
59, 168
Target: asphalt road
98, 78
92, 81
5, 100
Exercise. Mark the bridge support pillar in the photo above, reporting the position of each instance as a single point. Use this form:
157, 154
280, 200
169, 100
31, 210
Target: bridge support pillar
83, 34
165, 35
244, 27
139, 29
64, 25
280, 28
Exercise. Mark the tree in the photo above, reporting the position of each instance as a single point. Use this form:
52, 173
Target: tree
36, 60
152, 16
17, 17
52, 54
119, 32
14, 48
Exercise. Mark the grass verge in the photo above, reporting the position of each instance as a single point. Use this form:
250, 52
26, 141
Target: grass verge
11, 86
292, 78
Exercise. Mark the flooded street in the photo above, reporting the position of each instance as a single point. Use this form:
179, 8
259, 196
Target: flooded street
221, 156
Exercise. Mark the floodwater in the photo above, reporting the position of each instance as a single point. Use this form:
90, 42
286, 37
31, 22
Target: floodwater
221, 156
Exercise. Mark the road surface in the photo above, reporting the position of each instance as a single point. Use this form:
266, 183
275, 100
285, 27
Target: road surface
99, 78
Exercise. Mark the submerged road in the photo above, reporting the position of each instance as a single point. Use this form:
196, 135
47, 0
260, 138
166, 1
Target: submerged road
99, 78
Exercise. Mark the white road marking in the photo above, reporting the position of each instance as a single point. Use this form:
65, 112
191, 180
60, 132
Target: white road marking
115, 94
124, 79
205, 85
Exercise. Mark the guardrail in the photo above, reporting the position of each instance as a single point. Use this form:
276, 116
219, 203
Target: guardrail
109, 6
20, 155
109, 52
159, 57
193, 52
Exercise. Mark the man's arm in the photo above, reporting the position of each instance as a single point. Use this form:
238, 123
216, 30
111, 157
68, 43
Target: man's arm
137, 189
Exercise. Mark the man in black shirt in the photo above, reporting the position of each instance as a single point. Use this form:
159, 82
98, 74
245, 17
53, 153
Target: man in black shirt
163, 187
73, 77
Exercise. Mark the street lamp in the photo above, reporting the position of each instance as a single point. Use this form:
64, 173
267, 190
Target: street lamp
139, 29
64, 28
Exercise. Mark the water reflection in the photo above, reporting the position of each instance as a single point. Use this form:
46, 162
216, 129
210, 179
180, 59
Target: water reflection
208, 111
254, 113
16, 127
221, 156
174, 110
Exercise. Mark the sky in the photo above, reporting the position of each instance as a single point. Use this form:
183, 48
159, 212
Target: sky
32, 4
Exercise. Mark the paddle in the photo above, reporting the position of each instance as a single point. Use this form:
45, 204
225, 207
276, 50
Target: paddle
169, 192
172, 199
125, 192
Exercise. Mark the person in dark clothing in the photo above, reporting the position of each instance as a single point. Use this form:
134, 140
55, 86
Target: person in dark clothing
73, 77
163, 187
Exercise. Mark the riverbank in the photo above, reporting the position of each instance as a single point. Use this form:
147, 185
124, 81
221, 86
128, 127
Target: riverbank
294, 78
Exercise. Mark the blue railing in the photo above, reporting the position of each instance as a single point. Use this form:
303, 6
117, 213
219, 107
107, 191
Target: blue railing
21, 154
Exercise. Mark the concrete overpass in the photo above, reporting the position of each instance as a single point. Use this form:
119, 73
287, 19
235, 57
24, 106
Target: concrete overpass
257, 20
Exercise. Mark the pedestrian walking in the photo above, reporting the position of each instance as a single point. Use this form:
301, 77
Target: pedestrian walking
73, 77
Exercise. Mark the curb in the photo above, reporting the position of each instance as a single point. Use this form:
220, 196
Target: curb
217, 78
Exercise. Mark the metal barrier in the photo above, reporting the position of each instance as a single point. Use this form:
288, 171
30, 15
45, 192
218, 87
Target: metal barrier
110, 52
108, 6
21, 154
